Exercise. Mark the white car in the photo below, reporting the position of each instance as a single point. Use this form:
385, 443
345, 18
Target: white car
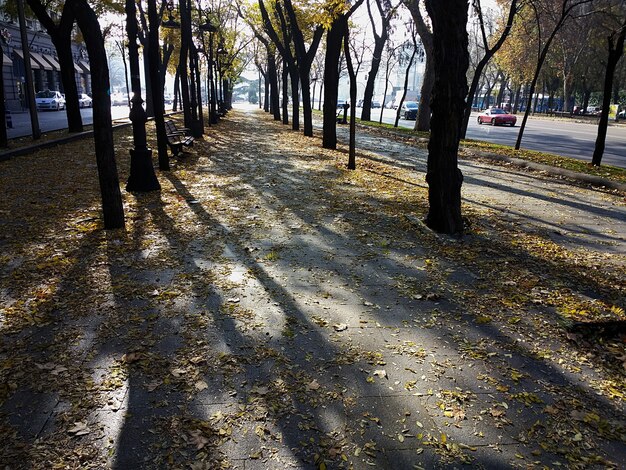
84, 101
49, 100
119, 99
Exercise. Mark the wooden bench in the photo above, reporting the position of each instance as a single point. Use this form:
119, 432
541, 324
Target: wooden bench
177, 138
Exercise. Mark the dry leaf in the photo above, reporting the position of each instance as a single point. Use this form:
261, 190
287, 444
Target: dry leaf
381, 373
314, 385
79, 429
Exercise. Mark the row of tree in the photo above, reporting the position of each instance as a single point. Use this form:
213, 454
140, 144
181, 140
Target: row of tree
175, 49
293, 35
517, 39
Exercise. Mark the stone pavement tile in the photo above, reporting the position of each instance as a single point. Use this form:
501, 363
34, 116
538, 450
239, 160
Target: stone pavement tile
477, 419
28, 411
413, 457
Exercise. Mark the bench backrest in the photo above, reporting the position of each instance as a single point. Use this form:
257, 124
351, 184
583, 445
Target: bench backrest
170, 127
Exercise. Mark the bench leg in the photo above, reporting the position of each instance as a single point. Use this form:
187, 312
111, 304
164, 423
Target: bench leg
175, 149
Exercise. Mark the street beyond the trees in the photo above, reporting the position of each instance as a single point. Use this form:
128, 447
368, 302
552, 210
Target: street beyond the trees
269, 308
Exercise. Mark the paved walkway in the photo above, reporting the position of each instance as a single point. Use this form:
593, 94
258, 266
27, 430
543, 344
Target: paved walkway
271, 309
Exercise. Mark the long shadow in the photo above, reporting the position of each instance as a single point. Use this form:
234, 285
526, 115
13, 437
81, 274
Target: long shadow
287, 366
146, 345
304, 379
252, 265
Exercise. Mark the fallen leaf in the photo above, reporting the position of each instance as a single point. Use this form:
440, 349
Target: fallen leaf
381, 373
314, 385
178, 372
79, 429
340, 327
201, 385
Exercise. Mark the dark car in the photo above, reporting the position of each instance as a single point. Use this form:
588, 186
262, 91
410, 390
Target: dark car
497, 116
409, 110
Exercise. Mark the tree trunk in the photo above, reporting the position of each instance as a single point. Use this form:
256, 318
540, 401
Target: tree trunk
449, 20
500, 97
112, 207
146, 72
295, 98
176, 104
352, 74
406, 85
616, 50
185, 41
285, 91
334, 38
422, 123
518, 92
68, 78
273, 81
154, 69
472, 92
368, 95
319, 100
4, 141
382, 104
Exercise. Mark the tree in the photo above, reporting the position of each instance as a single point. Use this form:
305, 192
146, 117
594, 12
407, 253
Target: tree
156, 90
334, 41
488, 54
390, 63
304, 60
61, 37
352, 74
289, 61
549, 16
451, 60
422, 122
112, 207
415, 48
255, 22
615, 43
386, 12
338, 16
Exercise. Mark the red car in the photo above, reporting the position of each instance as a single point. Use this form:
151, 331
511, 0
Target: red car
496, 116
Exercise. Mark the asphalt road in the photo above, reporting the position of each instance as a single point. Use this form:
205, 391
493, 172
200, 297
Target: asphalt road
55, 120
570, 139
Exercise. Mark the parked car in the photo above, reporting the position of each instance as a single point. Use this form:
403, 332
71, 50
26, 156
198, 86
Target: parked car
84, 101
340, 104
497, 116
375, 104
622, 114
409, 110
118, 99
49, 100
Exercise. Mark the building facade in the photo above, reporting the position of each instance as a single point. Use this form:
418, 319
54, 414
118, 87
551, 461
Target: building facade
43, 61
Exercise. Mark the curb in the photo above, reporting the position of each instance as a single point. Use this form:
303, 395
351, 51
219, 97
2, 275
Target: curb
52, 143
63, 140
553, 170
581, 177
